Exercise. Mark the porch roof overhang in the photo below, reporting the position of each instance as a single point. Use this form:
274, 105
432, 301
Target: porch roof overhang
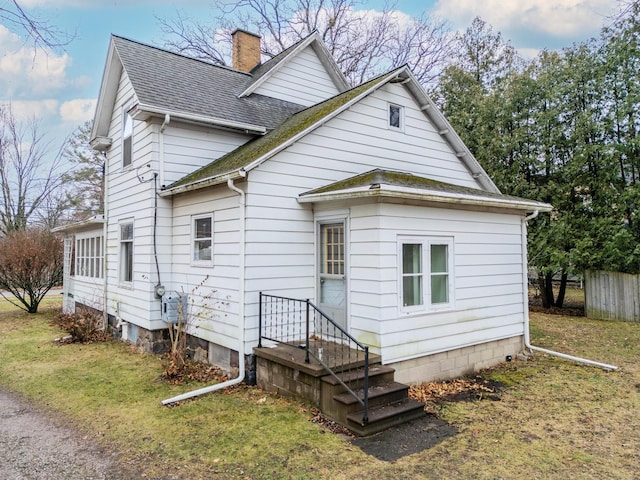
91, 223
397, 187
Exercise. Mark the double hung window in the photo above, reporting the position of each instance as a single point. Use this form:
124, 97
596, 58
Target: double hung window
126, 252
202, 234
426, 273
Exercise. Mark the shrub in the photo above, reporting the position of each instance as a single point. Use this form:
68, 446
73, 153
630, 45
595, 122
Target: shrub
84, 326
30, 265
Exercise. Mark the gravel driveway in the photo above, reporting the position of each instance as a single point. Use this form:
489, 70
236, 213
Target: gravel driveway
32, 446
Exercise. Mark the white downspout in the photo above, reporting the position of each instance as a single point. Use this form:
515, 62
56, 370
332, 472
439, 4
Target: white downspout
525, 282
105, 233
241, 308
167, 119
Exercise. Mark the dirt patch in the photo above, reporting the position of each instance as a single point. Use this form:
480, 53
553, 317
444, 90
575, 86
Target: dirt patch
406, 439
423, 433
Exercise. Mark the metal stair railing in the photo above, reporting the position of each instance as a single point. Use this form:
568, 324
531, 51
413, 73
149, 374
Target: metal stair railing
300, 323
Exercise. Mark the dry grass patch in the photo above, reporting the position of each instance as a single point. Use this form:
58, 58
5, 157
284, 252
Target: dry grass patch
553, 419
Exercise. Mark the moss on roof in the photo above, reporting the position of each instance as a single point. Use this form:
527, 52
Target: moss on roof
403, 179
254, 149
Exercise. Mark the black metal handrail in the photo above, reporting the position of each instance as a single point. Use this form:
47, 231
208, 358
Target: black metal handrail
300, 323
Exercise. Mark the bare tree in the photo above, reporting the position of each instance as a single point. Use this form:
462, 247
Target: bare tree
85, 180
27, 178
30, 265
38, 31
363, 42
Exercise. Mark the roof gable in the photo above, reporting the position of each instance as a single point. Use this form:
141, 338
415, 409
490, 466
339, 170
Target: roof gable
168, 83
251, 154
264, 72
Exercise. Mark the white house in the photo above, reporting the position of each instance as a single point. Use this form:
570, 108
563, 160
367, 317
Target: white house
278, 178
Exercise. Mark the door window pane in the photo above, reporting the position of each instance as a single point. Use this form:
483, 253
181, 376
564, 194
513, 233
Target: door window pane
332, 249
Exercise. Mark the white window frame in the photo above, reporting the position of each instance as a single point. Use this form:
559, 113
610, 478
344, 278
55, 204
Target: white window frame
122, 260
194, 239
400, 108
127, 133
89, 256
426, 243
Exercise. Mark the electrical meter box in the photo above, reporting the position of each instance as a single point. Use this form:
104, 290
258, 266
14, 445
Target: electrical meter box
174, 307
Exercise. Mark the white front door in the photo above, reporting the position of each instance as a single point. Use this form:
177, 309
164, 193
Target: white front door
331, 274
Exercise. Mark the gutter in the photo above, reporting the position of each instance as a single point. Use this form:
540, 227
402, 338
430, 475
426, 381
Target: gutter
525, 283
241, 338
424, 195
205, 182
138, 113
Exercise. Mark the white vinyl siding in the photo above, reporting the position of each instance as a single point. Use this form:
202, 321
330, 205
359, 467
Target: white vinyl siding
486, 278
187, 148
303, 80
133, 201
213, 291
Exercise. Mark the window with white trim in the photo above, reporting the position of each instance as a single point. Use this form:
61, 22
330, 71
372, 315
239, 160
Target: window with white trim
126, 252
426, 273
396, 117
202, 233
127, 139
89, 256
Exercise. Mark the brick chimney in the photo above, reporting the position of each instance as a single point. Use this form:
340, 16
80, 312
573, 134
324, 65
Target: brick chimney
245, 50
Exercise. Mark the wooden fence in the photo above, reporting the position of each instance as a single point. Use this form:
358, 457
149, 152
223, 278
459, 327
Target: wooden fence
612, 296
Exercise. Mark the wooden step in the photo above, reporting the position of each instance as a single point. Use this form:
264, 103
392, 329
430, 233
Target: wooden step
378, 374
378, 395
385, 416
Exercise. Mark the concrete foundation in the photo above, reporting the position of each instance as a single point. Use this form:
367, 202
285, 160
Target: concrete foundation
458, 362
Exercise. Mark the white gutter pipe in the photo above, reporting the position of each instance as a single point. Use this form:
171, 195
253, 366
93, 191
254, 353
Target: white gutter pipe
165, 123
241, 369
525, 282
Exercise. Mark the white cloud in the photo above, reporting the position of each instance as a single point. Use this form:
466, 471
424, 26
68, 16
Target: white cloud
78, 111
533, 23
41, 110
26, 72
49, 4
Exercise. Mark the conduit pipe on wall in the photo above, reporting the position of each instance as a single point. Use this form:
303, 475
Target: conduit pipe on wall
525, 280
241, 309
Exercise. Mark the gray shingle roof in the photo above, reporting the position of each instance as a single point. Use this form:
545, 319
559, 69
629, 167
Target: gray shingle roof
256, 148
177, 83
380, 182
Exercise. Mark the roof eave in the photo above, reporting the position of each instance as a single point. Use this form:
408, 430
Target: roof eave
76, 226
203, 183
144, 112
448, 133
107, 93
426, 196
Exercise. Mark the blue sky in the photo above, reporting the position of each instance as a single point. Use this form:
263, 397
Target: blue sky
60, 88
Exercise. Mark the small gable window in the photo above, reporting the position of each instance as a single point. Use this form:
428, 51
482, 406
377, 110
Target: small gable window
396, 115
127, 139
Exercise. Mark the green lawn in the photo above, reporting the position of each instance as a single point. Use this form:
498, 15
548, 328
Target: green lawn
556, 420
